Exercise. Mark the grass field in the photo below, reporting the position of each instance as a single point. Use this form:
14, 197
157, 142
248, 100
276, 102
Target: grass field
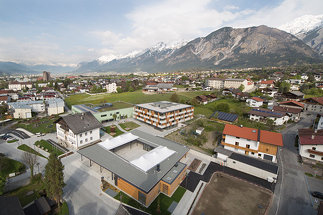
50, 148
10, 166
116, 132
128, 126
115, 106
26, 148
39, 125
64, 209
164, 201
136, 97
35, 186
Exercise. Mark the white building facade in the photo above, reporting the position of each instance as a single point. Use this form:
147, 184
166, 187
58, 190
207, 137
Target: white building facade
111, 88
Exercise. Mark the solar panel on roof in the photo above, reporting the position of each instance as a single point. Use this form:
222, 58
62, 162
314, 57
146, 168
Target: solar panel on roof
229, 117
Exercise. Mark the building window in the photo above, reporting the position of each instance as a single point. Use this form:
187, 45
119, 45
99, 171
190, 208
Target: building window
248, 146
85, 133
267, 150
259, 154
238, 137
252, 153
233, 162
314, 148
312, 156
81, 141
91, 138
104, 115
80, 135
86, 140
237, 144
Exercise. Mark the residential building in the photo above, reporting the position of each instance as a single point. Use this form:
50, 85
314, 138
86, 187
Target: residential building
217, 83
106, 112
266, 84
139, 164
293, 95
271, 92
314, 104
163, 114
293, 113
236, 93
111, 88
55, 106
46, 76
310, 143
154, 87
78, 130
319, 122
262, 115
255, 102
17, 86
252, 142
4, 99
205, 99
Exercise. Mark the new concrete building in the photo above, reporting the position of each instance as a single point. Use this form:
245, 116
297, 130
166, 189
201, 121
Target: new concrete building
217, 83
55, 106
78, 130
163, 114
111, 88
106, 112
46, 76
252, 142
139, 164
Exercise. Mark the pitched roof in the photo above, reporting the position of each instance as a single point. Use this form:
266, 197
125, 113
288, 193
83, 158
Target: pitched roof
308, 136
10, 205
293, 102
80, 122
268, 137
318, 100
286, 109
257, 99
266, 112
267, 82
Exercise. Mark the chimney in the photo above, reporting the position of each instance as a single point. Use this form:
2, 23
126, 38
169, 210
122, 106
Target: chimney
313, 136
158, 168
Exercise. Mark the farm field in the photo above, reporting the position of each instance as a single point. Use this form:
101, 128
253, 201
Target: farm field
136, 97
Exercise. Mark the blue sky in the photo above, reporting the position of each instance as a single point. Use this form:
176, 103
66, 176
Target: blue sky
67, 32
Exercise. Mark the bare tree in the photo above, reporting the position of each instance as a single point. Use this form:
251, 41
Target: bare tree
31, 160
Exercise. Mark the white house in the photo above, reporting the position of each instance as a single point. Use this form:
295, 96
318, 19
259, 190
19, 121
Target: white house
78, 130
262, 114
311, 144
314, 104
255, 102
111, 88
252, 142
16, 86
55, 106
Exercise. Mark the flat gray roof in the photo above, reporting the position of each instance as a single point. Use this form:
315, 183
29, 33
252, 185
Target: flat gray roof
130, 173
163, 106
174, 172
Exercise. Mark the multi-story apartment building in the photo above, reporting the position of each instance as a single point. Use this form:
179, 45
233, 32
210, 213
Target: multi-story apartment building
16, 86
311, 144
217, 83
111, 88
78, 130
46, 76
252, 142
163, 114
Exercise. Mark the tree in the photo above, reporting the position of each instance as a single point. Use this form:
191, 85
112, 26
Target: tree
284, 87
174, 98
119, 90
54, 178
241, 87
2, 184
31, 160
224, 107
194, 102
115, 117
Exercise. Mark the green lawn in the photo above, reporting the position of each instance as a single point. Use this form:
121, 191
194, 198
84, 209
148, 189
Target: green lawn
130, 125
64, 209
48, 146
12, 141
35, 185
26, 148
10, 166
164, 201
117, 131
39, 125
136, 97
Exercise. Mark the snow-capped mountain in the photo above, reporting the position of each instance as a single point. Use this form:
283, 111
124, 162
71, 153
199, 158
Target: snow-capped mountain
225, 48
303, 24
308, 28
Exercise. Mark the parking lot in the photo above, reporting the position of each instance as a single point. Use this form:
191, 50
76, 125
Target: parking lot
228, 195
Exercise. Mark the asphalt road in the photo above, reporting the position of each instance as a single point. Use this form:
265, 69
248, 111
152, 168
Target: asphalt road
292, 193
82, 191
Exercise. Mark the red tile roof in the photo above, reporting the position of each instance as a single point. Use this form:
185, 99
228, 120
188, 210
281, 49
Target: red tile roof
268, 137
286, 109
308, 140
267, 82
257, 99
316, 99
294, 102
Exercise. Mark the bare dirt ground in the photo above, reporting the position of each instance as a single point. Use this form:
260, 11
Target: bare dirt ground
228, 195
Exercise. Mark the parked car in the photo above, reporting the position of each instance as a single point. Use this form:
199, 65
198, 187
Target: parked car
317, 194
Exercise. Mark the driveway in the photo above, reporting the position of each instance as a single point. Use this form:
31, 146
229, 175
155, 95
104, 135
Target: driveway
82, 191
292, 194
